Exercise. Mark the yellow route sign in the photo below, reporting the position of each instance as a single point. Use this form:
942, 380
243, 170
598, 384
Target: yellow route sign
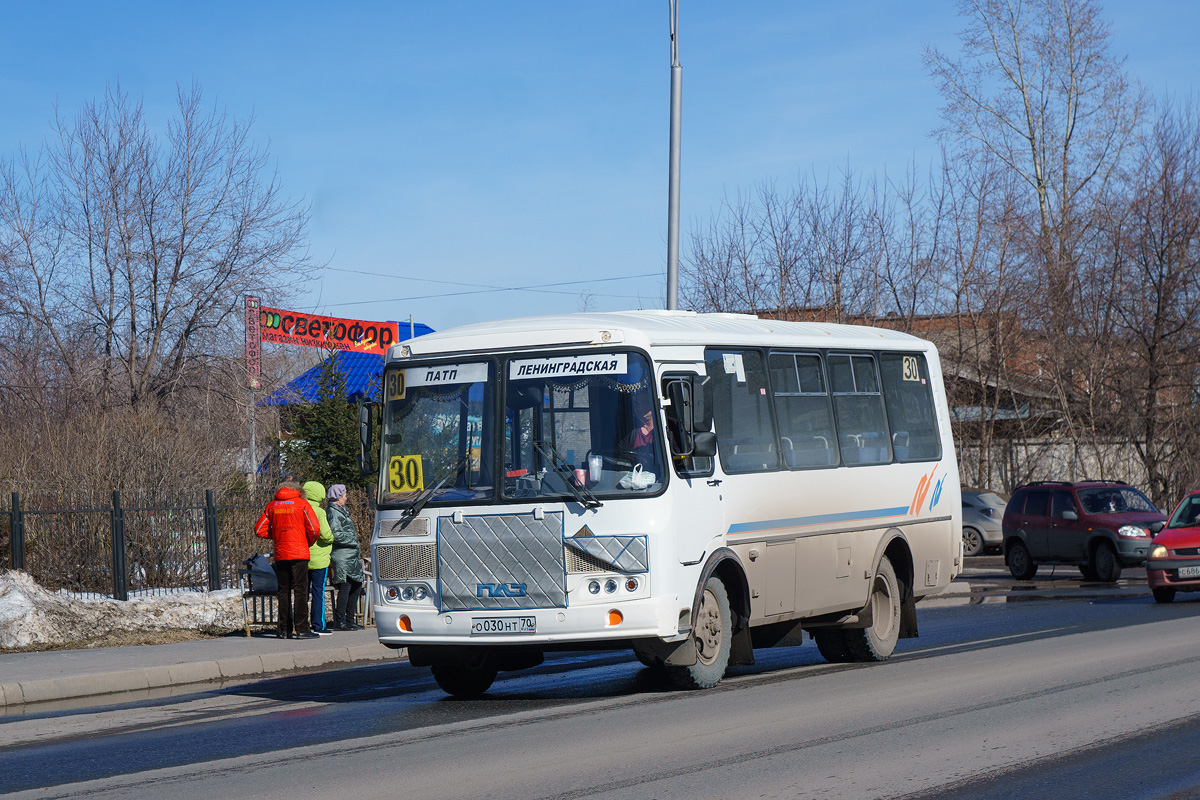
393, 388
405, 474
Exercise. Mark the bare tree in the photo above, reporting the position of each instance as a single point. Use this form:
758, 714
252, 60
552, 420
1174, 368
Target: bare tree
833, 251
725, 268
1150, 390
1037, 88
130, 252
1036, 93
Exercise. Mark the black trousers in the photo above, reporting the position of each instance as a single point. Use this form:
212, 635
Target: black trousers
347, 594
293, 595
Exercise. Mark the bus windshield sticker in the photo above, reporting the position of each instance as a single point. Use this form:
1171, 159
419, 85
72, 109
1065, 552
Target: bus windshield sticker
393, 385
445, 374
405, 474
734, 366
569, 366
912, 369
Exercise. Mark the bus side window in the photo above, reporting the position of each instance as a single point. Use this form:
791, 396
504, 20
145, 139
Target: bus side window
685, 466
806, 433
858, 408
741, 410
909, 399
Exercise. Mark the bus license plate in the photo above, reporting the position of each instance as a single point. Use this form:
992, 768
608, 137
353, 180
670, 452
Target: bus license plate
483, 626
1189, 572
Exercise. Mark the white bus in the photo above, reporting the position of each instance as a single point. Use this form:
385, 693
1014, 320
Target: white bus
690, 486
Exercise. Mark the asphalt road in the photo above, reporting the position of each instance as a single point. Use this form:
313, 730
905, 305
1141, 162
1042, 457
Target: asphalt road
1011, 691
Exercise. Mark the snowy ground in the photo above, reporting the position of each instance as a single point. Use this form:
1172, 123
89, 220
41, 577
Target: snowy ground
31, 616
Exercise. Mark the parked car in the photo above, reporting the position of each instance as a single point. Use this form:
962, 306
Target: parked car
1100, 526
982, 514
1174, 561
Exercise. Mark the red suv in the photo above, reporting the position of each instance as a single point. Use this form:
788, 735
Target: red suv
1101, 526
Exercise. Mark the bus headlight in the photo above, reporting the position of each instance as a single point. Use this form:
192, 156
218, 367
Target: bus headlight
610, 586
421, 593
594, 587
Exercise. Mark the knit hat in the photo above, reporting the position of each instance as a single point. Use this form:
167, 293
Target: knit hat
336, 491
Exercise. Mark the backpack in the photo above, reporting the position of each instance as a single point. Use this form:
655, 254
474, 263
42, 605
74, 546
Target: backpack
262, 574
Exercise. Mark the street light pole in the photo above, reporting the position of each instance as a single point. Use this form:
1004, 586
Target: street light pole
673, 193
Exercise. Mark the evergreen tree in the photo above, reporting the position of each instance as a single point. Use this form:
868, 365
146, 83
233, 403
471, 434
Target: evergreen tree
325, 447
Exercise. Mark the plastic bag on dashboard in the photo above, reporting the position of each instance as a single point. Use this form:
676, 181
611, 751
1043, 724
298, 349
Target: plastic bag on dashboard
637, 479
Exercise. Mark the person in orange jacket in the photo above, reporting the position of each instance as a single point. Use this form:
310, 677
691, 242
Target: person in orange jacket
290, 523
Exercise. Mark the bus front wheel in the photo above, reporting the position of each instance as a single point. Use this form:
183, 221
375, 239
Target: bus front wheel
712, 631
465, 679
877, 641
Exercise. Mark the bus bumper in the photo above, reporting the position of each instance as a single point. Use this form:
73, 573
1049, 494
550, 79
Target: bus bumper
633, 619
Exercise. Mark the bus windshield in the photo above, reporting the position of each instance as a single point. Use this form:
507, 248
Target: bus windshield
576, 427
437, 425
581, 422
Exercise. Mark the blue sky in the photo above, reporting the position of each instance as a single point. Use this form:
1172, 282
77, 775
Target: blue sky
524, 143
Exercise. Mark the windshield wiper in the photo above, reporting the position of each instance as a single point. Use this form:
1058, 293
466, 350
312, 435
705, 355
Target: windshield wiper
559, 464
450, 473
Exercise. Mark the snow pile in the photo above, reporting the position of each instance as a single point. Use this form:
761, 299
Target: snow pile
33, 616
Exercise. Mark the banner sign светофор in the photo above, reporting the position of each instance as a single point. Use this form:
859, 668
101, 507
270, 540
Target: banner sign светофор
313, 330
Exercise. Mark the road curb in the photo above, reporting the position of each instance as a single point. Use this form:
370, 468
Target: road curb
132, 680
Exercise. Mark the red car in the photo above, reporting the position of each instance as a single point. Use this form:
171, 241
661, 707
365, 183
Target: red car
1173, 564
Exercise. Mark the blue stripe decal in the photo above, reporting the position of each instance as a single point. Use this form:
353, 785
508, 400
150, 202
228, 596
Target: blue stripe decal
818, 519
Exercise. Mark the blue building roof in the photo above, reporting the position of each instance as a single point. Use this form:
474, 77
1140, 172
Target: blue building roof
362, 371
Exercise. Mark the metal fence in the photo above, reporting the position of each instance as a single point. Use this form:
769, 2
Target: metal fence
121, 544
141, 543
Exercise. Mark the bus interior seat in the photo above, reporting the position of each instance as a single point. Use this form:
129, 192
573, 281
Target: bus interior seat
751, 455
808, 451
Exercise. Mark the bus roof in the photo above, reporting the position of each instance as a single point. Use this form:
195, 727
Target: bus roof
648, 329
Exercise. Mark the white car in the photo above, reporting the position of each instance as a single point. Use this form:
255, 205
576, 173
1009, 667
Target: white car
982, 514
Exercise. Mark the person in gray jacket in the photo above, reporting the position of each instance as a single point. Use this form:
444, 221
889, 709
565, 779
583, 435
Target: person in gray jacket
345, 564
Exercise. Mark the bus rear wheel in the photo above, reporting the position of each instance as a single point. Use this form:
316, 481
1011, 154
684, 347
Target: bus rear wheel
878, 641
832, 644
712, 632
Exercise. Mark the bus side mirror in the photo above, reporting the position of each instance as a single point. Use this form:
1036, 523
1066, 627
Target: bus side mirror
679, 394
365, 431
704, 445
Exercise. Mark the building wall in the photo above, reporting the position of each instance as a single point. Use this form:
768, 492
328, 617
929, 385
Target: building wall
1018, 461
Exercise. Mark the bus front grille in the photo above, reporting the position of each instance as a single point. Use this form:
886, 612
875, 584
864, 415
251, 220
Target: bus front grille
405, 562
582, 563
501, 561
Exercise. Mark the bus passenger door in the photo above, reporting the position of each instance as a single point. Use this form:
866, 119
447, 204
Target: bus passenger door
696, 488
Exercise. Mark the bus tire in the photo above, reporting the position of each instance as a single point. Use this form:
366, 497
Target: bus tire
832, 644
647, 659
878, 641
464, 680
712, 632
